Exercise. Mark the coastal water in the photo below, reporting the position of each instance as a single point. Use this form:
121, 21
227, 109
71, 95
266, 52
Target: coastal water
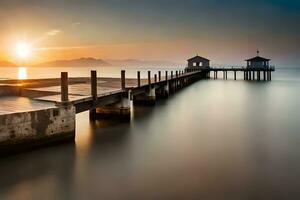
216, 139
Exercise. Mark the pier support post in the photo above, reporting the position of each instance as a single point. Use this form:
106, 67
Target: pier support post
147, 98
159, 76
165, 92
234, 75
166, 76
94, 93
123, 84
120, 110
250, 75
269, 75
176, 81
139, 79
172, 84
149, 79
264, 75
64, 87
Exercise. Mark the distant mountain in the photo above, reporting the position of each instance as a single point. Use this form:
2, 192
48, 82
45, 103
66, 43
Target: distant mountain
4, 63
143, 63
93, 62
80, 62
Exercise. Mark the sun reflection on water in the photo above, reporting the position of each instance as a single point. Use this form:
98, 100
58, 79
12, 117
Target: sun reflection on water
22, 73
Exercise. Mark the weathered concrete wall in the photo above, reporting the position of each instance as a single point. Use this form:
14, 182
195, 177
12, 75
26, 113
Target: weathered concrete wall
28, 129
120, 110
147, 98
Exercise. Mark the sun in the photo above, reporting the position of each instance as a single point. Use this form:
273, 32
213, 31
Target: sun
23, 50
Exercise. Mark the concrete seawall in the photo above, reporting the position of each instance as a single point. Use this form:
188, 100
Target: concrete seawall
34, 128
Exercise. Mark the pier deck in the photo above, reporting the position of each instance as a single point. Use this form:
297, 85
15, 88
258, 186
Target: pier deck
15, 104
35, 112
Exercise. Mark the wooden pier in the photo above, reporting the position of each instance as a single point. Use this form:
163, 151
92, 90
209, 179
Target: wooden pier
41, 111
251, 74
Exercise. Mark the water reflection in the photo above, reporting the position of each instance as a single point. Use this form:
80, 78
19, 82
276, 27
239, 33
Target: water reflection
22, 73
213, 140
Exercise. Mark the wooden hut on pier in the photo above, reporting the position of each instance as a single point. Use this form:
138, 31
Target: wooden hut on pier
258, 62
198, 63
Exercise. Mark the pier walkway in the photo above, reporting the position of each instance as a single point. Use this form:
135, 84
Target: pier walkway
41, 111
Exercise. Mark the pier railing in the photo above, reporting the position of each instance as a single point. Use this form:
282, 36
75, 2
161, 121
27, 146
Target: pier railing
242, 68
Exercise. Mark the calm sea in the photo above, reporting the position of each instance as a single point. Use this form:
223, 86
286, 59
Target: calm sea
214, 140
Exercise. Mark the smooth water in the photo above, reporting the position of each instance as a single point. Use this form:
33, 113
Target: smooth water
215, 139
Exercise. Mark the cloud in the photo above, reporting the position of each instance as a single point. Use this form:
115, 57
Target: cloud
53, 32
76, 23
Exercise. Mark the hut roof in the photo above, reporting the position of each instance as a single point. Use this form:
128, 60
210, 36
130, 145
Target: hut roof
258, 59
197, 58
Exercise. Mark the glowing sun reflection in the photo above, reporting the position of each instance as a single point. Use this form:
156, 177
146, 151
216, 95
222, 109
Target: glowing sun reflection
22, 73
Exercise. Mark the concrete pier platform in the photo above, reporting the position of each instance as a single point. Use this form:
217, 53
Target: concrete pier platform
43, 111
27, 123
15, 104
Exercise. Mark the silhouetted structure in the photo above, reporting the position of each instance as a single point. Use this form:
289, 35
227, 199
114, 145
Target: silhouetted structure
258, 62
198, 62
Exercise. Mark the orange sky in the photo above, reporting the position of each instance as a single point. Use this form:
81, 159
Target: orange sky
226, 33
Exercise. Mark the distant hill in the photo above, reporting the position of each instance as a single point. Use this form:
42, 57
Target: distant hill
80, 62
4, 63
143, 63
93, 62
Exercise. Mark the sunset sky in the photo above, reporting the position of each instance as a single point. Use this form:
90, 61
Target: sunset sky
226, 31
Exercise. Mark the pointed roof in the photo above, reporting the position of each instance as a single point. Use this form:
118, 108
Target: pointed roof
257, 59
197, 58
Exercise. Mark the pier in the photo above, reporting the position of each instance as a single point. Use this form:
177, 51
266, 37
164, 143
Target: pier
42, 111
251, 74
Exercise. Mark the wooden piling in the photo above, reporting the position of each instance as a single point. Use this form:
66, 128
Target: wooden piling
234, 75
139, 79
155, 78
94, 84
149, 79
123, 84
64, 87
159, 76
166, 75
176, 81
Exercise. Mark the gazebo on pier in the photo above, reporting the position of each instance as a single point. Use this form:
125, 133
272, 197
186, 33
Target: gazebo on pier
258, 62
197, 63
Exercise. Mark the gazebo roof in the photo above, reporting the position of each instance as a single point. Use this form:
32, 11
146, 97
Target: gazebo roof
258, 59
197, 58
